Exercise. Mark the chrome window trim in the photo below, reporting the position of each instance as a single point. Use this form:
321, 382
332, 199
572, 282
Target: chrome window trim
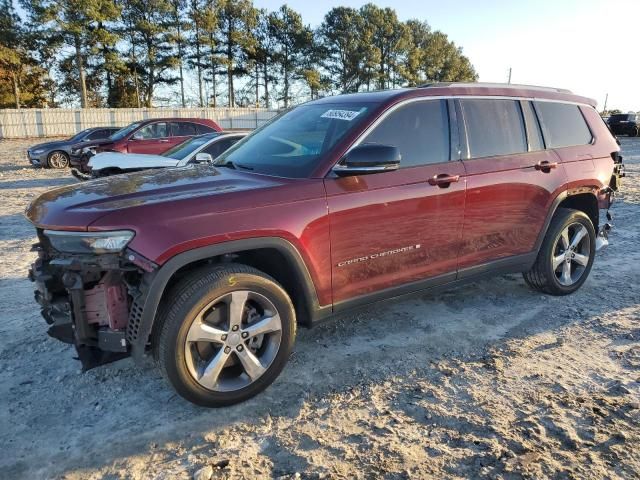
453, 97
407, 101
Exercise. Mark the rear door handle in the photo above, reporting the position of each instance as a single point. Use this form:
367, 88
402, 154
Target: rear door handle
443, 180
545, 166
163, 141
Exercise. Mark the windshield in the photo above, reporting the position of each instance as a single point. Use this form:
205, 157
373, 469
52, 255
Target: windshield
79, 136
184, 149
620, 117
120, 134
292, 143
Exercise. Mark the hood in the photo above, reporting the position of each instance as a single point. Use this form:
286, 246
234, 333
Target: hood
77, 206
49, 145
130, 161
105, 142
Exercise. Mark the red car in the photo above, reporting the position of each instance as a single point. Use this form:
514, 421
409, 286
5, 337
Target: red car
339, 202
152, 136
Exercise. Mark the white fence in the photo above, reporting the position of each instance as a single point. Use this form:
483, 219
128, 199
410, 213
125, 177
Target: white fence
54, 122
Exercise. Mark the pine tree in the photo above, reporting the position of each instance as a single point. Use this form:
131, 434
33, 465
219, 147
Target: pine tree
76, 24
236, 21
195, 57
387, 39
263, 57
292, 41
178, 37
340, 38
431, 57
21, 79
150, 23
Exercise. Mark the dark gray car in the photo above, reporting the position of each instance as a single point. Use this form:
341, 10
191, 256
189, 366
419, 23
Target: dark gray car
56, 154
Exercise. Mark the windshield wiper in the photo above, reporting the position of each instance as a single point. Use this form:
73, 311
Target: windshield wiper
244, 167
234, 166
228, 164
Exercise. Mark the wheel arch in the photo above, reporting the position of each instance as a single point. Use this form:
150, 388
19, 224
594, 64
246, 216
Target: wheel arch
584, 200
272, 255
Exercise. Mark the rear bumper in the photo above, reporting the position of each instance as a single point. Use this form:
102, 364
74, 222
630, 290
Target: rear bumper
602, 240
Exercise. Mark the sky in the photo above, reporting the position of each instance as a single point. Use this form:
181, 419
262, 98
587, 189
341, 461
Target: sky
587, 46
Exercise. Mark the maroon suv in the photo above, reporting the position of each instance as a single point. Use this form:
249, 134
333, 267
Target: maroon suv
336, 203
154, 136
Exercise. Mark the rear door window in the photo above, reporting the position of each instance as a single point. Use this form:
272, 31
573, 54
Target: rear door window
204, 128
420, 130
219, 147
494, 127
153, 130
97, 134
563, 124
183, 129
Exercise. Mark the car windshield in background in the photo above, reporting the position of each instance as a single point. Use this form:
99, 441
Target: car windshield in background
620, 117
182, 150
78, 136
291, 144
120, 134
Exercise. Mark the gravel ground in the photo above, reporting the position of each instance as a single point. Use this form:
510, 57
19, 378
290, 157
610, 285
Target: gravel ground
488, 380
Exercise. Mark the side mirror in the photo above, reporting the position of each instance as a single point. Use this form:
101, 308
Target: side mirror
137, 136
203, 158
367, 159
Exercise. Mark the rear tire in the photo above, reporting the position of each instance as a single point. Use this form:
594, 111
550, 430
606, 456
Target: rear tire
207, 343
566, 255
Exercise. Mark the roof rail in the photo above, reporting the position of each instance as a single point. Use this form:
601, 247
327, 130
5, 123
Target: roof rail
494, 85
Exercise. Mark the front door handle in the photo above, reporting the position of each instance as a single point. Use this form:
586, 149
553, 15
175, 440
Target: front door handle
443, 180
545, 166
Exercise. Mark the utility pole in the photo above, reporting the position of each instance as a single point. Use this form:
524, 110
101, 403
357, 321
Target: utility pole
606, 99
509, 81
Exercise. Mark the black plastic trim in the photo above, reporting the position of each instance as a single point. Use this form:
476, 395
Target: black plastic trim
515, 264
160, 278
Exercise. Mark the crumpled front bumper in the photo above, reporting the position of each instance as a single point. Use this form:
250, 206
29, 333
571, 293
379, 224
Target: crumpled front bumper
85, 300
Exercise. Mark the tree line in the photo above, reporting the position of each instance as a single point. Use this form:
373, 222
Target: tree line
141, 53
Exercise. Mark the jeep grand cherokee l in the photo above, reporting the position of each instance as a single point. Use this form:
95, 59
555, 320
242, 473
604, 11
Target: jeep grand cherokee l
336, 203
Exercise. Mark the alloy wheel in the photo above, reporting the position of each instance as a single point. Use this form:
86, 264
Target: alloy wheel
233, 341
58, 160
571, 253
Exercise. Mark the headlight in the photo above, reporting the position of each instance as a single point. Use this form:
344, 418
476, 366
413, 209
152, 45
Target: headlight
38, 151
89, 242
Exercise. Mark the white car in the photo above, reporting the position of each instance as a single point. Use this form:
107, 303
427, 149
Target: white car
201, 149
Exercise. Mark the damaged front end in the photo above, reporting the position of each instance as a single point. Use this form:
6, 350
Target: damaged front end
86, 285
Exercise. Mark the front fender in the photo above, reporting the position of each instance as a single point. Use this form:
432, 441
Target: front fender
145, 306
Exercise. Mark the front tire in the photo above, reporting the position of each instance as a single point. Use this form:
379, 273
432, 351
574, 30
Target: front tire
566, 255
58, 159
224, 334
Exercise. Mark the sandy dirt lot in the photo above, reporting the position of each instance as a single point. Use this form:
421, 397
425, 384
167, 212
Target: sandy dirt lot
489, 380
